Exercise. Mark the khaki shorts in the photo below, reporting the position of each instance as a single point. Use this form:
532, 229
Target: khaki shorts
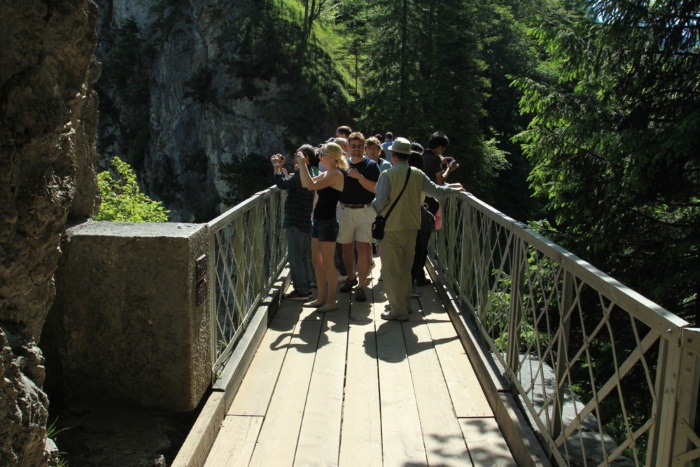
356, 225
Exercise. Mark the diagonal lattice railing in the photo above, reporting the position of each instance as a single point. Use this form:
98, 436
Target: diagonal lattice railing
247, 251
605, 375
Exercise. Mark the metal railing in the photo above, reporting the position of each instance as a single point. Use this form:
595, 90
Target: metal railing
247, 252
606, 375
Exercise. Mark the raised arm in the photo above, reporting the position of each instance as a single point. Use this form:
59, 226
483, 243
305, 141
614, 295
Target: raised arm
320, 181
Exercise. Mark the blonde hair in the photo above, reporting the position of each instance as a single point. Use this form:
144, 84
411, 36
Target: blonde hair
335, 150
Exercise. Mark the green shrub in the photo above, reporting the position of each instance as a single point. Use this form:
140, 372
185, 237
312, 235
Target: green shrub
122, 199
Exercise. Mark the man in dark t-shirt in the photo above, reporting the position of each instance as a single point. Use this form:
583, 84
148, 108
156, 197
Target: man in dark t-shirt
357, 215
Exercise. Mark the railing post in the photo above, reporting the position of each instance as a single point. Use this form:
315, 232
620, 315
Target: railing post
213, 284
562, 352
483, 269
519, 252
661, 436
689, 379
471, 238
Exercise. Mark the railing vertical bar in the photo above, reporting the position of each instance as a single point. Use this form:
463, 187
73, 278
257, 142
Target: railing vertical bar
516, 309
562, 369
472, 230
484, 270
213, 235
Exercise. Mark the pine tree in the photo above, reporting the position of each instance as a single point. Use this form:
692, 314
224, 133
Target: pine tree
614, 141
425, 74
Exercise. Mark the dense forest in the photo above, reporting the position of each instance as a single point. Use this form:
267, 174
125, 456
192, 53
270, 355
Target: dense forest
580, 117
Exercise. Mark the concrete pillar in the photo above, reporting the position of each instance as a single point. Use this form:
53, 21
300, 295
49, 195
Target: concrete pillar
131, 317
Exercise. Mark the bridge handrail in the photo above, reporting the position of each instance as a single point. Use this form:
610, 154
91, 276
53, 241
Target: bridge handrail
652, 314
547, 315
247, 252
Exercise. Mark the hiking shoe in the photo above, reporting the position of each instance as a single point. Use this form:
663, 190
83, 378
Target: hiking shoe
349, 284
300, 297
415, 293
360, 294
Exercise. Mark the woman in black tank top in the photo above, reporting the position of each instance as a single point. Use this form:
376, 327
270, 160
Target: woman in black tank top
329, 186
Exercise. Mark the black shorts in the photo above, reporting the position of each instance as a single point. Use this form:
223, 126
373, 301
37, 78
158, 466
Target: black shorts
326, 230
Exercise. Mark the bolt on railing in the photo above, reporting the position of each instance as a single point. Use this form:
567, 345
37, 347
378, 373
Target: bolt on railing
605, 374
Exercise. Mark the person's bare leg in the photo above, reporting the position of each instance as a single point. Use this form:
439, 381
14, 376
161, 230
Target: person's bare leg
331, 275
319, 272
364, 258
349, 259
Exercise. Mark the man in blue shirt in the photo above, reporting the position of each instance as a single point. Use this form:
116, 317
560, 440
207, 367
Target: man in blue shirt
297, 222
388, 141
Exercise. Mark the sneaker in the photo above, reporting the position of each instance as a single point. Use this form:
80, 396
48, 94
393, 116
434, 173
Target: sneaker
360, 295
349, 284
393, 315
300, 297
415, 293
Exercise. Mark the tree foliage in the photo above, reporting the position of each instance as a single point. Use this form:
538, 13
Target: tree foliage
614, 140
122, 199
428, 65
423, 70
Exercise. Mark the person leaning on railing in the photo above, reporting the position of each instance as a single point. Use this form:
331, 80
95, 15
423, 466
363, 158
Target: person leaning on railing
437, 167
297, 221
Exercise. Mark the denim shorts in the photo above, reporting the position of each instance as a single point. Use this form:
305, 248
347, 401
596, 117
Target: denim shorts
326, 230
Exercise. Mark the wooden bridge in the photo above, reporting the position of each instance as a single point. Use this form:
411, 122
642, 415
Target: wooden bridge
348, 388
519, 353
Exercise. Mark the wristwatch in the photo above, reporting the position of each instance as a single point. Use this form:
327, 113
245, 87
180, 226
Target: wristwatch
276, 164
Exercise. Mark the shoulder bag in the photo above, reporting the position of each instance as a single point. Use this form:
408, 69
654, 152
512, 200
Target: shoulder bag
380, 221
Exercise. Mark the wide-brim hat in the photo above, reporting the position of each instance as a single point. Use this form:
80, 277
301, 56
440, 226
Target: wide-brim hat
401, 145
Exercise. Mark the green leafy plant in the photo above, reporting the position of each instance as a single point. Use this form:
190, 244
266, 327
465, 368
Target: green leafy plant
122, 199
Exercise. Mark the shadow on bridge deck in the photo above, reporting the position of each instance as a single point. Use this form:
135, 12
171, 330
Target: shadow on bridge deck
348, 388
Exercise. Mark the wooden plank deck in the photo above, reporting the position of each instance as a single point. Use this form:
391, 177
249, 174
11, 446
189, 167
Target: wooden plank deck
348, 388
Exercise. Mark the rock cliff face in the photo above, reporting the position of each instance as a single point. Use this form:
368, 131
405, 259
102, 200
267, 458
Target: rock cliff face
193, 91
48, 121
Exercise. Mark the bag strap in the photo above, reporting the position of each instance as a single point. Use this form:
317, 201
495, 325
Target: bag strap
408, 174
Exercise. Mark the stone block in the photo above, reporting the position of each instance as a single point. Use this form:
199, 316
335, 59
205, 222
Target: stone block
127, 324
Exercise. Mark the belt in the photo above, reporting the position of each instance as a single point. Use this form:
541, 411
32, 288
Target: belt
356, 206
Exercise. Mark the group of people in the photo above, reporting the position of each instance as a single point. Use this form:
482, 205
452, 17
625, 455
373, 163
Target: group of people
334, 195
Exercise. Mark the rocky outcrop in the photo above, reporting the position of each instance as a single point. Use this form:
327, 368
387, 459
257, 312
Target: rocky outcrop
48, 116
196, 94
23, 405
